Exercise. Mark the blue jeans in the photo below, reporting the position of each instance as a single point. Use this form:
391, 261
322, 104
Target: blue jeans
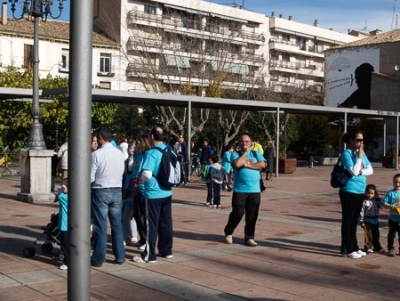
107, 202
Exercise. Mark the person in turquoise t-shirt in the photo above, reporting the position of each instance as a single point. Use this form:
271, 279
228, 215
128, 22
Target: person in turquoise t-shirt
158, 201
226, 163
355, 161
62, 226
392, 201
246, 190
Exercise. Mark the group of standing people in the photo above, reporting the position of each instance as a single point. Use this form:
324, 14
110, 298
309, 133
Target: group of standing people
361, 203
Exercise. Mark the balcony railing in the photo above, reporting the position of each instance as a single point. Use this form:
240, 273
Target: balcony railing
135, 17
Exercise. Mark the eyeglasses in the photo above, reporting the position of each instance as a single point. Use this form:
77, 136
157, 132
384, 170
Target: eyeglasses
181, 137
360, 140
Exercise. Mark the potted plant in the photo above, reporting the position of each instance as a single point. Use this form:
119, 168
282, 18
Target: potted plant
388, 161
286, 165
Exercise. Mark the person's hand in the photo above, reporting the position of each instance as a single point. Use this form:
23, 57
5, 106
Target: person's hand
245, 148
361, 151
362, 225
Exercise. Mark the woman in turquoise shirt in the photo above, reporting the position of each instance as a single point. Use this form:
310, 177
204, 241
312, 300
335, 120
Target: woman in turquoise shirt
355, 161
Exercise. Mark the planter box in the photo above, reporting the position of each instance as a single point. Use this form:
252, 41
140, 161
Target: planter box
287, 165
387, 161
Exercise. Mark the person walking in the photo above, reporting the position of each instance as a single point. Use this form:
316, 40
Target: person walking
158, 202
107, 169
355, 161
182, 152
246, 191
226, 163
63, 158
269, 155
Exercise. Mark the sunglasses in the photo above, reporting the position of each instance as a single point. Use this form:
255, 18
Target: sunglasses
360, 140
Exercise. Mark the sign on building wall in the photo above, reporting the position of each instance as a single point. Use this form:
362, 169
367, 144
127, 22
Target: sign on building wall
348, 77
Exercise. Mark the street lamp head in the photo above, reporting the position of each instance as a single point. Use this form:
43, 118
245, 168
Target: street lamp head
37, 9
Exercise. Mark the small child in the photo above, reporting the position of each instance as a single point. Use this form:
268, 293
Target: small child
216, 174
369, 219
392, 201
62, 198
204, 173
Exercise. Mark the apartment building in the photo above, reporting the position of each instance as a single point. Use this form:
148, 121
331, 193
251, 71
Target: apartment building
186, 46
16, 50
296, 53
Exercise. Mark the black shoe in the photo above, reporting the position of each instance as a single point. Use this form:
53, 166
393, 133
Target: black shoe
120, 262
96, 264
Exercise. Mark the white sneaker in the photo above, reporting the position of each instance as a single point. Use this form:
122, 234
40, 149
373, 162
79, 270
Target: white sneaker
354, 255
142, 247
359, 252
229, 239
63, 267
139, 259
370, 251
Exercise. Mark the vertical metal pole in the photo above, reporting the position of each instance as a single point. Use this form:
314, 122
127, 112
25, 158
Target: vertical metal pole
189, 134
80, 81
277, 144
36, 140
384, 137
397, 143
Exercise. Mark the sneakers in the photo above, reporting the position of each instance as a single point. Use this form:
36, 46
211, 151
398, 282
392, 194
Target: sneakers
120, 262
218, 206
354, 255
63, 267
362, 253
382, 250
96, 264
139, 259
142, 247
369, 251
166, 256
392, 252
250, 243
229, 239
207, 204
214, 206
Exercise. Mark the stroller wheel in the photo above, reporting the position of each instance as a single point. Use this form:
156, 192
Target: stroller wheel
47, 248
29, 252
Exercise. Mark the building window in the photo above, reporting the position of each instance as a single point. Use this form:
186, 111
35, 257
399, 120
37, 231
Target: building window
285, 37
28, 56
166, 13
149, 9
274, 77
186, 45
64, 60
286, 57
273, 55
285, 78
105, 85
301, 42
105, 63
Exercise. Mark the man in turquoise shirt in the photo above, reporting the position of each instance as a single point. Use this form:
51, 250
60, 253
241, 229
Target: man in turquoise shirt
246, 190
158, 202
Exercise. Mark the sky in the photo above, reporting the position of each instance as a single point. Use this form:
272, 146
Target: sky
339, 15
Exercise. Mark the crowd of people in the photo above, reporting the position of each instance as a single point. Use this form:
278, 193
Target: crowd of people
126, 190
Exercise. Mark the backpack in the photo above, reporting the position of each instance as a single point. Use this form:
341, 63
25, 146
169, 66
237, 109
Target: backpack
169, 174
217, 175
203, 172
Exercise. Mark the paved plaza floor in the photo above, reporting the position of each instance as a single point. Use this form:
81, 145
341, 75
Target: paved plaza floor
297, 258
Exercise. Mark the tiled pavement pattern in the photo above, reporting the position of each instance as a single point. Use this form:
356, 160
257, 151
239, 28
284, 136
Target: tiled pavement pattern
297, 258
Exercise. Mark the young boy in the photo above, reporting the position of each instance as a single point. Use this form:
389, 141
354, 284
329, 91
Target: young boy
204, 174
62, 198
216, 175
392, 201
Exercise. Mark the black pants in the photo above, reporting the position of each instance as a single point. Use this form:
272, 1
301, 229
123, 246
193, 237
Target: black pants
351, 207
244, 203
63, 238
393, 229
139, 215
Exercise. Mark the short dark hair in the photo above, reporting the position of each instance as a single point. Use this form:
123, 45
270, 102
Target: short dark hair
214, 158
158, 133
105, 133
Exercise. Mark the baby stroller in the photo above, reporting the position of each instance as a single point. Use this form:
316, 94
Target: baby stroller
49, 237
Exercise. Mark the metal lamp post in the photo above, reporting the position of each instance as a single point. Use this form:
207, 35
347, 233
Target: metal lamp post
36, 9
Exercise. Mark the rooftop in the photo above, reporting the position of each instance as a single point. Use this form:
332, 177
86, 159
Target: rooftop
51, 29
387, 37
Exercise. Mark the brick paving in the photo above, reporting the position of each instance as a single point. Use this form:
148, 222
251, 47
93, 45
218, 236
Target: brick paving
298, 232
